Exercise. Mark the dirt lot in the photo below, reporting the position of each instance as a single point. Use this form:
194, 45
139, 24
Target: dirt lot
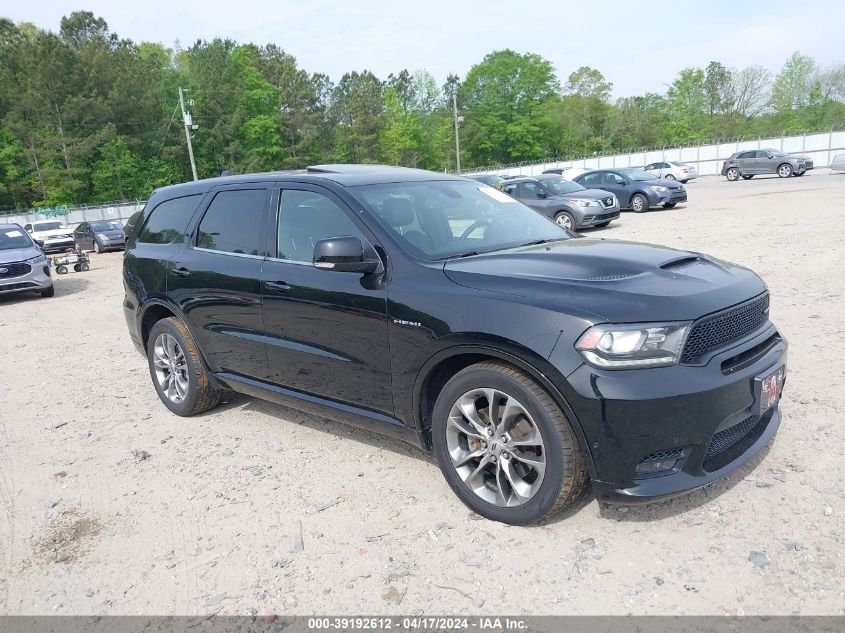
110, 505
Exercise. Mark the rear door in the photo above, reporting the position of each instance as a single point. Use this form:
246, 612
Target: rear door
214, 279
326, 331
747, 162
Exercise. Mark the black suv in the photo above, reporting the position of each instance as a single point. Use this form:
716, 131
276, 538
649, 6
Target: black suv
445, 313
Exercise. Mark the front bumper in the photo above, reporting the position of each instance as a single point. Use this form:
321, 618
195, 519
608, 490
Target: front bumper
61, 244
596, 215
37, 278
698, 414
113, 244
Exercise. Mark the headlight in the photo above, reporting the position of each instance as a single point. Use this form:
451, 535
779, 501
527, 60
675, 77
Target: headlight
102, 237
580, 202
657, 188
634, 345
38, 259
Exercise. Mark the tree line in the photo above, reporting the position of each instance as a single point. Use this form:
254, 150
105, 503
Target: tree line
89, 117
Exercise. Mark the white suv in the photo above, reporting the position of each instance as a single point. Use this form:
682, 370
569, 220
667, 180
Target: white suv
54, 235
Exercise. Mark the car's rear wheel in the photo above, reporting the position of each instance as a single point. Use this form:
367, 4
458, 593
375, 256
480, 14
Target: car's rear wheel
749, 177
785, 170
49, 292
565, 220
179, 375
732, 174
639, 203
669, 177
504, 446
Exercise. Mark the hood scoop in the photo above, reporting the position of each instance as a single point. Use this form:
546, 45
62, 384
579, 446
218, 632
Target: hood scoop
610, 277
680, 262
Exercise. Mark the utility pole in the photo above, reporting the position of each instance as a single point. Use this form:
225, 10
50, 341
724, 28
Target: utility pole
458, 121
188, 123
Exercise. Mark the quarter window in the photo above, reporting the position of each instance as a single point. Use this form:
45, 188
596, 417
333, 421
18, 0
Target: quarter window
167, 222
305, 218
232, 223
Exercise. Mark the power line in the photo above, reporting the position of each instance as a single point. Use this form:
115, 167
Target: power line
161, 147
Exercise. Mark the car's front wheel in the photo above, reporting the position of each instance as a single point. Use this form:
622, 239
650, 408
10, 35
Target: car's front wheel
49, 292
97, 248
504, 446
732, 174
669, 205
785, 170
639, 203
669, 177
565, 220
601, 225
180, 378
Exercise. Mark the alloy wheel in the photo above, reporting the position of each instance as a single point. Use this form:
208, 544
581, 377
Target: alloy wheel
784, 171
563, 220
637, 204
496, 447
171, 368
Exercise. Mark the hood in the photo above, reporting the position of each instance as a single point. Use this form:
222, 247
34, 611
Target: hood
7, 256
51, 233
664, 182
587, 194
618, 281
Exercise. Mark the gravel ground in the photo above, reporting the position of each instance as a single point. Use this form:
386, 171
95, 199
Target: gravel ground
110, 505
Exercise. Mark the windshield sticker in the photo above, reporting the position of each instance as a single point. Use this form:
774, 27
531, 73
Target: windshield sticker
496, 194
14, 234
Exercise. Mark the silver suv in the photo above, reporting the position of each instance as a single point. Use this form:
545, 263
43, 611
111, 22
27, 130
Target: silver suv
23, 265
750, 163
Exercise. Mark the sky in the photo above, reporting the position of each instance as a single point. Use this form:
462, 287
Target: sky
637, 48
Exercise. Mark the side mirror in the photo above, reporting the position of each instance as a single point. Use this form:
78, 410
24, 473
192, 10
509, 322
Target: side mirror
40, 244
343, 254
542, 194
624, 183
770, 155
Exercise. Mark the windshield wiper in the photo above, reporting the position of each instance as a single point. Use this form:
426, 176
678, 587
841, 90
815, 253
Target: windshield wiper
538, 242
459, 256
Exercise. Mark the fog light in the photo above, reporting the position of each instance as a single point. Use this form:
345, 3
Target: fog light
650, 468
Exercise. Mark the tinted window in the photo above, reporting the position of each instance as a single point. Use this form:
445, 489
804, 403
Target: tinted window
746, 155
529, 190
590, 179
509, 189
233, 222
167, 222
305, 218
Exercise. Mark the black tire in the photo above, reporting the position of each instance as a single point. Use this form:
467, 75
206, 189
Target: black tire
562, 218
565, 465
77, 268
62, 270
749, 177
799, 173
601, 225
84, 268
732, 174
200, 395
669, 177
97, 248
669, 205
49, 292
785, 170
639, 203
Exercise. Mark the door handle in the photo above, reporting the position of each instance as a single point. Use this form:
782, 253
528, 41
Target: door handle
278, 286
180, 272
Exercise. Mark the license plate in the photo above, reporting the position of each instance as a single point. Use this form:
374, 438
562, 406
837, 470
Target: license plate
768, 388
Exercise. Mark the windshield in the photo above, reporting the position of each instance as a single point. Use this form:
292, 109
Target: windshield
14, 237
440, 219
107, 226
47, 226
636, 174
560, 185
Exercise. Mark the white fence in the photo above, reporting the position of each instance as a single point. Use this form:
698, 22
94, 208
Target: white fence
707, 158
76, 215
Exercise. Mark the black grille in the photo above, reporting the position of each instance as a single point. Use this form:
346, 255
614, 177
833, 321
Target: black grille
717, 330
675, 453
14, 270
732, 442
19, 286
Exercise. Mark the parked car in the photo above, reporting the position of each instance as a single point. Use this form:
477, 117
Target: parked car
100, 236
635, 189
524, 358
672, 170
23, 265
55, 235
567, 203
488, 179
751, 163
569, 173
838, 162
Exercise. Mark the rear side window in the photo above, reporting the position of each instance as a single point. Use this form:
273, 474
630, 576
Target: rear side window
167, 222
233, 222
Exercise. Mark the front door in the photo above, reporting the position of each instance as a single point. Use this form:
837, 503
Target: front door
616, 184
215, 280
326, 331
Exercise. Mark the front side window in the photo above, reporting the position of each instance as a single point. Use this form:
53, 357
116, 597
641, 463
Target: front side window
440, 219
233, 221
305, 218
167, 222
530, 190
